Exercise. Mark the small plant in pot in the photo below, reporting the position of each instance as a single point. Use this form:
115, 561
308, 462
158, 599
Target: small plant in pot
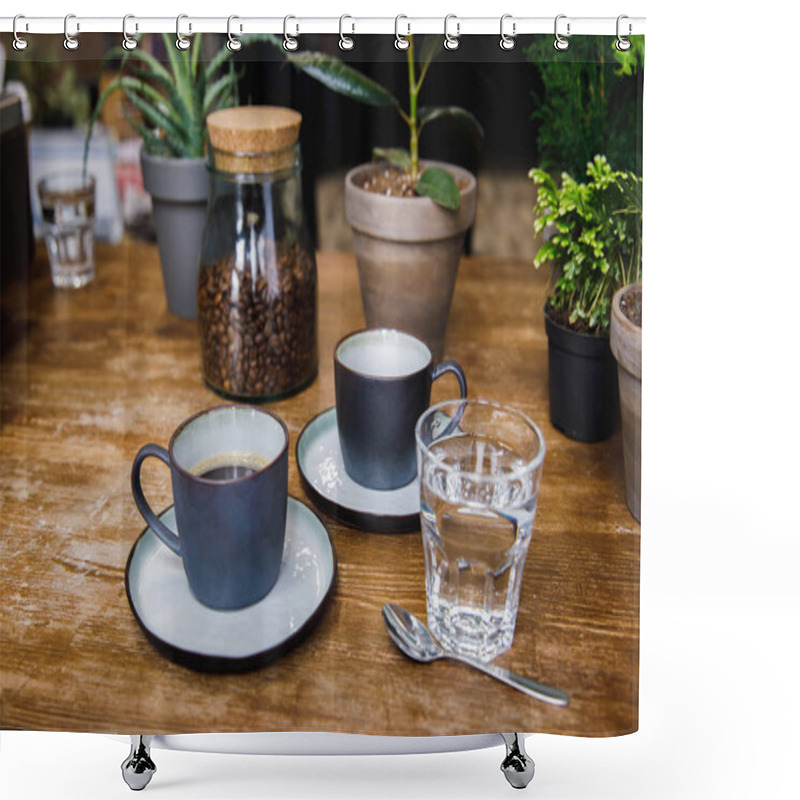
594, 249
626, 345
171, 101
409, 217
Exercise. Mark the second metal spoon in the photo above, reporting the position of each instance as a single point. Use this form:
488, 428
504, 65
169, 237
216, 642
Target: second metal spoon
415, 640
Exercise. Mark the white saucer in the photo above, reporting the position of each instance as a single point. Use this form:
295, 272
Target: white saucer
203, 638
319, 459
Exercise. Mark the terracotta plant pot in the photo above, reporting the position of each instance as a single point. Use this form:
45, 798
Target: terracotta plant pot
408, 250
582, 383
626, 344
179, 188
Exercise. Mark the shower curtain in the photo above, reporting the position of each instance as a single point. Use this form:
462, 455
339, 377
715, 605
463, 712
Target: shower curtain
89, 375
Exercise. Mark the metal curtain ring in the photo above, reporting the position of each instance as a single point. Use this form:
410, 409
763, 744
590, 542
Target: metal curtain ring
19, 43
128, 42
507, 42
400, 42
181, 42
289, 42
346, 42
622, 44
70, 42
451, 42
561, 43
233, 44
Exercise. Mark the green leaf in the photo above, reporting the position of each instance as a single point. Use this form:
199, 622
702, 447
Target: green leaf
341, 78
172, 100
394, 155
439, 184
430, 47
220, 57
461, 115
219, 93
176, 138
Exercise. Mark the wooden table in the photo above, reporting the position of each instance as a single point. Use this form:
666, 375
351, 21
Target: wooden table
89, 376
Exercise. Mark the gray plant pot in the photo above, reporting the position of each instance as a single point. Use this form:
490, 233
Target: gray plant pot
408, 250
626, 344
179, 188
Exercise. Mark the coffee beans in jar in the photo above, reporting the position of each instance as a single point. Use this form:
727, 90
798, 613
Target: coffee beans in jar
257, 288
258, 327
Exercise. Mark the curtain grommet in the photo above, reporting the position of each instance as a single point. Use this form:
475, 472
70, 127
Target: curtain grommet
623, 44
19, 44
346, 43
290, 43
451, 42
233, 44
71, 42
561, 43
507, 42
401, 42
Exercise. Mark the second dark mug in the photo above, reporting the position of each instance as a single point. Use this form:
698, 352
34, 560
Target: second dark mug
383, 384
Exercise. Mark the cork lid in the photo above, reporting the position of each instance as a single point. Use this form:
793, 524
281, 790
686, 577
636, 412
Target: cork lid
253, 138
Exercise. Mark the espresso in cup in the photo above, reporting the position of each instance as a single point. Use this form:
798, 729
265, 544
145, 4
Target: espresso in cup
229, 467
383, 383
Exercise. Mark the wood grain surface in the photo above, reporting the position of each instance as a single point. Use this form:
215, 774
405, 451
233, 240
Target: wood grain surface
90, 376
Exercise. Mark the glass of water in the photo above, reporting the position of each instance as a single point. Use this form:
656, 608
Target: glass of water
480, 466
67, 200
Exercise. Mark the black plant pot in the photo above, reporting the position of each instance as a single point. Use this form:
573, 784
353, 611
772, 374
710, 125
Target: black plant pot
584, 398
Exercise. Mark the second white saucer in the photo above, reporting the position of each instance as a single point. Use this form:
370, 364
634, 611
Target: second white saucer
319, 459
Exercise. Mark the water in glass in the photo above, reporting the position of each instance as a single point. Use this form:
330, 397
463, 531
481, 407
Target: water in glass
477, 510
68, 217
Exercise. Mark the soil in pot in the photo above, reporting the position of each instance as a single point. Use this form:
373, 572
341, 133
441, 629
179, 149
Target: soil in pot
630, 304
394, 182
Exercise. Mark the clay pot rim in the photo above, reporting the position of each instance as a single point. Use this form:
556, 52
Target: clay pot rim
171, 159
629, 327
626, 338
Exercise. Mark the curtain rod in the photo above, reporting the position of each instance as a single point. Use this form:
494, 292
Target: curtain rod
74, 25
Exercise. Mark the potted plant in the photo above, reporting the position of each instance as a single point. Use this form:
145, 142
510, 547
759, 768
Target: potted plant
595, 248
172, 101
626, 345
409, 217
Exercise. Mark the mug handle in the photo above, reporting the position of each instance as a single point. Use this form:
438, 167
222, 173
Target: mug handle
455, 368
167, 536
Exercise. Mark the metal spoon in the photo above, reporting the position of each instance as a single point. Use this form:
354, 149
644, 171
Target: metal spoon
415, 640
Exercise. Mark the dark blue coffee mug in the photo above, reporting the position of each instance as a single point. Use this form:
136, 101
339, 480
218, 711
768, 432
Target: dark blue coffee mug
383, 384
230, 471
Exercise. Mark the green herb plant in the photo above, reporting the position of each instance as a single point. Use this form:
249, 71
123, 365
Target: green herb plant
597, 243
436, 183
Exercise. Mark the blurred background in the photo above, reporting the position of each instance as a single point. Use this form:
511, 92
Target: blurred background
537, 106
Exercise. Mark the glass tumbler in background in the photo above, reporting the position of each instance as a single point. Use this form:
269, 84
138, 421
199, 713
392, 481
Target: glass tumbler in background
67, 200
480, 466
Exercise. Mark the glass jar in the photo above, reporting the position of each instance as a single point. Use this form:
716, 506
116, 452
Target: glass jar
257, 287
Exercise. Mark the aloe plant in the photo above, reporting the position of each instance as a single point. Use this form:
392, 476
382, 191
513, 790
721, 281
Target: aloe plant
434, 182
597, 243
173, 100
